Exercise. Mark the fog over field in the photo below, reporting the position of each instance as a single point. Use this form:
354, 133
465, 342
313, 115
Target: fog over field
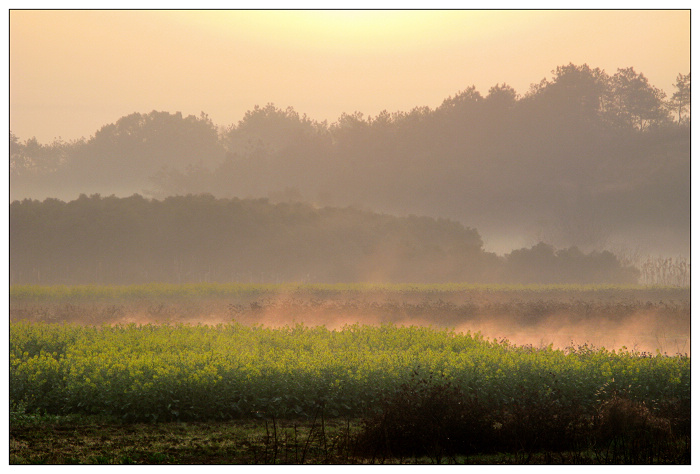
638, 319
648, 331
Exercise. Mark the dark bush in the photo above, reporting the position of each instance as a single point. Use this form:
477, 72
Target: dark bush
540, 419
626, 431
430, 416
426, 417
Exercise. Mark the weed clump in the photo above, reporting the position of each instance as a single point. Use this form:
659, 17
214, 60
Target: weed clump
430, 416
627, 431
426, 417
540, 420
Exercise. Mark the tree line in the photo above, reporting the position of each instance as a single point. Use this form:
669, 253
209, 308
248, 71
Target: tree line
581, 158
196, 238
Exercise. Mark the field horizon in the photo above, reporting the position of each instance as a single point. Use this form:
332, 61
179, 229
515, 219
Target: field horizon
639, 318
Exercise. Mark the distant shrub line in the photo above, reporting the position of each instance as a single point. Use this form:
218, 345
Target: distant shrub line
195, 239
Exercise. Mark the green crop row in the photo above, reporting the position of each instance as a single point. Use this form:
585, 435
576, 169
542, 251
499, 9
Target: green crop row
178, 372
160, 290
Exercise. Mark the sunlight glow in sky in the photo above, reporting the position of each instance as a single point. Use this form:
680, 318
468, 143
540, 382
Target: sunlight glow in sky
72, 72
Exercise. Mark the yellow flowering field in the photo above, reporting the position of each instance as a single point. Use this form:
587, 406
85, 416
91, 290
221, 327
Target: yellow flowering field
173, 372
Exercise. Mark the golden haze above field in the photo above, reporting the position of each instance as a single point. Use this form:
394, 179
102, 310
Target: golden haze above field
88, 67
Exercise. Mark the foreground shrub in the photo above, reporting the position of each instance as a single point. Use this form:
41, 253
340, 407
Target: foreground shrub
430, 416
426, 417
540, 420
626, 431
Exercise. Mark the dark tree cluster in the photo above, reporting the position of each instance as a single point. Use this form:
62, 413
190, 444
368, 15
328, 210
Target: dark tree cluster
195, 238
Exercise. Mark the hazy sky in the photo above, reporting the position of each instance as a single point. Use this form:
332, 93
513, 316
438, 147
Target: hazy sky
73, 71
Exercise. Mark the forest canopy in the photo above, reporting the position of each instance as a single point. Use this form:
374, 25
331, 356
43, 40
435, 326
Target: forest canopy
584, 158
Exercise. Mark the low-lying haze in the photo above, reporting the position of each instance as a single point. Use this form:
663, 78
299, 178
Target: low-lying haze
643, 320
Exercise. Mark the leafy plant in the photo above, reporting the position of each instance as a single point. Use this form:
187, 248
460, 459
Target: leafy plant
426, 416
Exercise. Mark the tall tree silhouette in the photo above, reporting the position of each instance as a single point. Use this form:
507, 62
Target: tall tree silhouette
680, 100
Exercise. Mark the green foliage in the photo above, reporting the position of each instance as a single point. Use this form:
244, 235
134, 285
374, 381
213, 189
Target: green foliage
177, 372
20, 416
